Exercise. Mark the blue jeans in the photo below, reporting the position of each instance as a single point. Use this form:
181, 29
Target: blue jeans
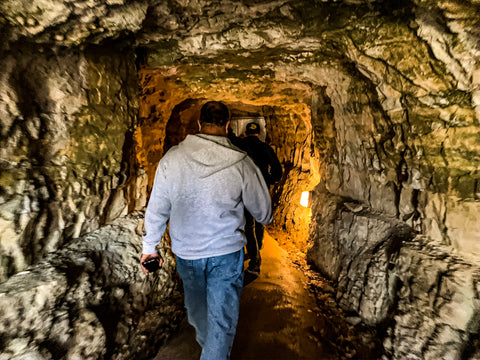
212, 288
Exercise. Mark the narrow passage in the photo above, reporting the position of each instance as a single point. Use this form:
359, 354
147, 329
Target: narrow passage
279, 317
278, 314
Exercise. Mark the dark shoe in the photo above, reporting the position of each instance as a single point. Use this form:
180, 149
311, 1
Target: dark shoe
249, 277
253, 270
254, 267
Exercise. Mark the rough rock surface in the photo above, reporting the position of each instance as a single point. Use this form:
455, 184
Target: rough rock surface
65, 117
437, 303
90, 300
423, 296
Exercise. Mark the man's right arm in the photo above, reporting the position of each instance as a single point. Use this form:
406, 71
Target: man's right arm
256, 196
157, 213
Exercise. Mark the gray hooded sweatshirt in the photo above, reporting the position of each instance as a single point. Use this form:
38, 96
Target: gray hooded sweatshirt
203, 186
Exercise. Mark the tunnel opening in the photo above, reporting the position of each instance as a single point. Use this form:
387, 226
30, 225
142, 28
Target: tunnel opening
293, 130
170, 110
334, 141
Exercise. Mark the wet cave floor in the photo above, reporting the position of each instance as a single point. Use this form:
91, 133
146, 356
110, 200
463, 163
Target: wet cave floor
288, 312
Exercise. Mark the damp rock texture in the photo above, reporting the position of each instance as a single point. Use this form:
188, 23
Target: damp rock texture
424, 297
65, 117
446, 305
91, 300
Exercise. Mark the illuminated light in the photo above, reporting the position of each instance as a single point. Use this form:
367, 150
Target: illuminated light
304, 199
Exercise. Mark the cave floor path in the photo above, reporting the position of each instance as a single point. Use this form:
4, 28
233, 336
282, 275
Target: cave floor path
279, 317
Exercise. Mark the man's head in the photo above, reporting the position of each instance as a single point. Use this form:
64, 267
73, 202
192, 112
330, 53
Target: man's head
252, 129
214, 119
214, 112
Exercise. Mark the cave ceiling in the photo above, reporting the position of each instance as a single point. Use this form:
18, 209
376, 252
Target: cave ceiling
260, 36
427, 51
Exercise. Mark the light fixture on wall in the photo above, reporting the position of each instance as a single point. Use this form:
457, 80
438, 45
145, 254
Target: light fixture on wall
304, 199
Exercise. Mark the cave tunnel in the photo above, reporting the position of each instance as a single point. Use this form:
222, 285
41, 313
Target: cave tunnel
373, 109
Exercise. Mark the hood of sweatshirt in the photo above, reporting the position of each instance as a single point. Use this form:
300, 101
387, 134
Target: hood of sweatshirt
208, 154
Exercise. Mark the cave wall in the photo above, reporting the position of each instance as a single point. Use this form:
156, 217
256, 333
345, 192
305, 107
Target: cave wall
70, 285
386, 216
420, 295
395, 219
90, 300
66, 115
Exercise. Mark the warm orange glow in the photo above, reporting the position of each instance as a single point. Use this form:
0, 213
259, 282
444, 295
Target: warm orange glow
304, 199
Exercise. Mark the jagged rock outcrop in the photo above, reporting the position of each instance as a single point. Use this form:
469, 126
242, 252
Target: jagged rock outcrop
66, 117
422, 298
437, 303
90, 300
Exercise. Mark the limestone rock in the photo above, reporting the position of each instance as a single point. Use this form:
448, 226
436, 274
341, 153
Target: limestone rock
437, 306
62, 148
424, 295
90, 300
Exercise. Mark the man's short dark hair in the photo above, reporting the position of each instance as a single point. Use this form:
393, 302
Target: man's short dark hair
252, 128
214, 112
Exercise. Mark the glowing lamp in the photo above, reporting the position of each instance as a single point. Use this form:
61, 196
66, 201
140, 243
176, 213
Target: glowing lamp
304, 198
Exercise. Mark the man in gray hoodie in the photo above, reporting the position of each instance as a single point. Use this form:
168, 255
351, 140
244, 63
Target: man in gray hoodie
203, 185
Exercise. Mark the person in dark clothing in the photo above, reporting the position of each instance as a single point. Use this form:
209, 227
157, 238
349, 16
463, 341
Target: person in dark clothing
265, 158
